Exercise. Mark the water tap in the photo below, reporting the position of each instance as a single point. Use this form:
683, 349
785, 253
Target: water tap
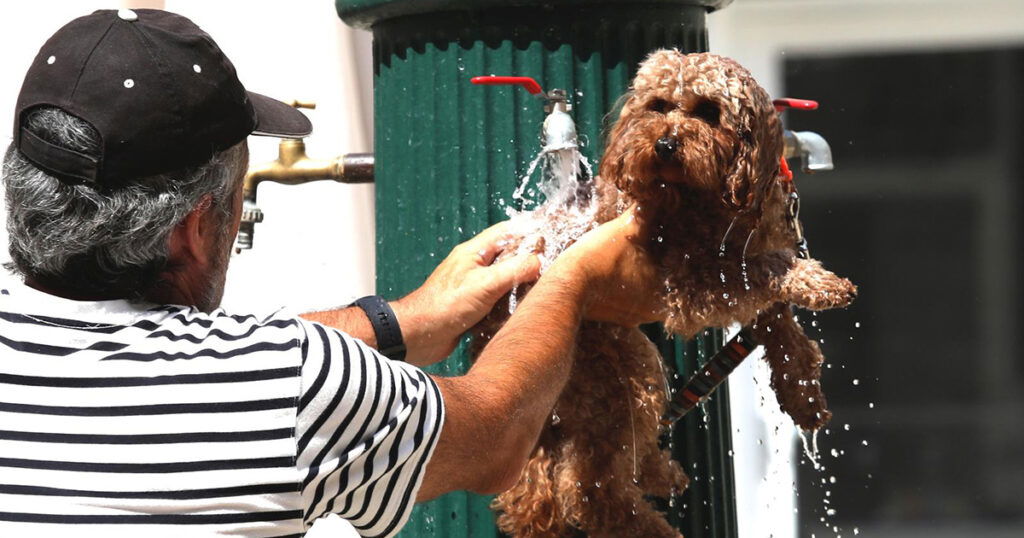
814, 152
559, 129
294, 167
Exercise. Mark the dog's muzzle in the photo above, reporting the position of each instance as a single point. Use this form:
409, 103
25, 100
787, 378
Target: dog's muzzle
666, 147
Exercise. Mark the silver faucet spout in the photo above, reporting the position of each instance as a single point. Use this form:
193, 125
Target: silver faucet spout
814, 152
559, 130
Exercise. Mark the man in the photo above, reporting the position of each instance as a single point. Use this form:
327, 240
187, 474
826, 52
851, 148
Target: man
130, 405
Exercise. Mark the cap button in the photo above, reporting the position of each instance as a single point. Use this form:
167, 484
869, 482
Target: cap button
128, 15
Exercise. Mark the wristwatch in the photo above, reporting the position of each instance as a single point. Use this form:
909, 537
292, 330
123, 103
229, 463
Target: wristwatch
385, 326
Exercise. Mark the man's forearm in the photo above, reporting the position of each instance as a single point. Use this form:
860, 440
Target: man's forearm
526, 365
496, 411
353, 321
531, 356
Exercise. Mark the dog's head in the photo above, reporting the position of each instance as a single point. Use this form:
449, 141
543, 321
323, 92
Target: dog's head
694, 123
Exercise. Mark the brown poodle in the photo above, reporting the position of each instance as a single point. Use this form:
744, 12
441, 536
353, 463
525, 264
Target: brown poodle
697, 150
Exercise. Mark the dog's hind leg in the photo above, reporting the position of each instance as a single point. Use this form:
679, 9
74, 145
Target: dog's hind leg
532, 507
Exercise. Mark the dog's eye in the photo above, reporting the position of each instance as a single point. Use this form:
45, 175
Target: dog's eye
708, 112
661, 106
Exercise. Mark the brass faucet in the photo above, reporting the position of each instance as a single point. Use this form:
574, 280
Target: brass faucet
294, 167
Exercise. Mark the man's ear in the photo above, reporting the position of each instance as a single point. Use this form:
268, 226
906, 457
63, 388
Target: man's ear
188, 239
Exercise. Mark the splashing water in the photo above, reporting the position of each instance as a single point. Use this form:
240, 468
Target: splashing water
811, 450
564, 210
725, 236
743, 258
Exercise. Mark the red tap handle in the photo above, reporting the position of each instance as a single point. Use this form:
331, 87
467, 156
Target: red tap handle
784, 172
526, 82
800, 104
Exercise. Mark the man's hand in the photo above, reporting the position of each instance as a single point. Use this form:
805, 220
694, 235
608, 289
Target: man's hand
459, 293
621, 281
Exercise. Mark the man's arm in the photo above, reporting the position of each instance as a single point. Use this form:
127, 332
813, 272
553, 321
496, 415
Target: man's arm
457, 295
494, 413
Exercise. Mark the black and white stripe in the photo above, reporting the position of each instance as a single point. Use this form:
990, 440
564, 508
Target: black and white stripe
127, 420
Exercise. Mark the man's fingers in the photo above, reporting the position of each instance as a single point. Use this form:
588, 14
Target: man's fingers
487, 244
516, 270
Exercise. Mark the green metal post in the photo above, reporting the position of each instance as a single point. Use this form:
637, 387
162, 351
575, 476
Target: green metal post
449, 155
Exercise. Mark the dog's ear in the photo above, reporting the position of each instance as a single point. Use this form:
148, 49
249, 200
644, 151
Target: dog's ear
612, 166
739, 181
755, 165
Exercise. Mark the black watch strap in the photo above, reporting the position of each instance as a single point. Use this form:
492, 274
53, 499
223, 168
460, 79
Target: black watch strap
385, 326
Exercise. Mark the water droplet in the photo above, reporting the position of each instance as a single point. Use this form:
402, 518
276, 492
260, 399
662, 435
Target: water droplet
864, 442
846, 427
814, 323
725, 295
597, 484
856, 382
579, 484
857, 325
832, 480
871, 405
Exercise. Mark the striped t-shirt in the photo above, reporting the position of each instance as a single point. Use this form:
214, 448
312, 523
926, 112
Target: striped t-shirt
134, 420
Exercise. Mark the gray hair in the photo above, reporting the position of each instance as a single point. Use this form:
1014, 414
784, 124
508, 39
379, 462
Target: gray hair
105, 242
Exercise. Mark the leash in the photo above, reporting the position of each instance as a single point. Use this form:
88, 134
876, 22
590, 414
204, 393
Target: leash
714, 371
786, 178
793, 210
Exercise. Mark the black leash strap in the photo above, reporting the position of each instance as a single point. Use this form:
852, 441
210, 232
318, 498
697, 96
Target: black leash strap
704, 382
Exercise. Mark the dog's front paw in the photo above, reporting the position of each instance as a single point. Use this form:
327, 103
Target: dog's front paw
811, 286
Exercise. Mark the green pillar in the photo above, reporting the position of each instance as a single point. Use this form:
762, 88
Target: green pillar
449, 155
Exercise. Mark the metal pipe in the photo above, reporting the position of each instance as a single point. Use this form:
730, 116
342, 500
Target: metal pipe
294, 167
814, 152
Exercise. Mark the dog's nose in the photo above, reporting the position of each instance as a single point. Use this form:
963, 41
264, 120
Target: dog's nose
665, 147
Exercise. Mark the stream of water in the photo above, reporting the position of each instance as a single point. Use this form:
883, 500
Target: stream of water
557, 208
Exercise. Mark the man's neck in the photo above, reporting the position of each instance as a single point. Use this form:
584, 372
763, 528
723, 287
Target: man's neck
68, 294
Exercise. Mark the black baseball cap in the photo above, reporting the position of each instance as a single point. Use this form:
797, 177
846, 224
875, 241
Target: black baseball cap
157, 89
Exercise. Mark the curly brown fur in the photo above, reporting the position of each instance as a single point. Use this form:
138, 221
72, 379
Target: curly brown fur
714, 210
715, 169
